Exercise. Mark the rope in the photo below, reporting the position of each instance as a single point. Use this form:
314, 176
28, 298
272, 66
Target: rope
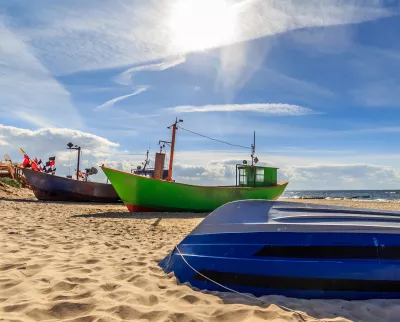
301, 314
113, 153
207, 137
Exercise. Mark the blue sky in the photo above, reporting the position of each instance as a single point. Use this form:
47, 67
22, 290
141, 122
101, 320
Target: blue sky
319, 82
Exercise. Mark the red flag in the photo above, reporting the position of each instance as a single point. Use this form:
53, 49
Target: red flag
34, 167
27, 162
52, 161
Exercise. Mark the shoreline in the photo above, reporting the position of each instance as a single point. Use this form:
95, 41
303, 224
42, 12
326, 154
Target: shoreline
356, 203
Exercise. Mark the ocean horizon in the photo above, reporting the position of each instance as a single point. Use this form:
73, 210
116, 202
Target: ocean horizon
375, 195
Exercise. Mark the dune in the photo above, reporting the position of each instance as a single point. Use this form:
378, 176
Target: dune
91, 262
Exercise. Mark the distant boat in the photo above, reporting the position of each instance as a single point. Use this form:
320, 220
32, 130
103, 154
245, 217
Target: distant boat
143, 194
50, 187
47, 186
292, 249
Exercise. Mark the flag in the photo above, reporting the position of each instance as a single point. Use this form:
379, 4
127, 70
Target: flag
27, 162
40, 165
34, 166
52, 161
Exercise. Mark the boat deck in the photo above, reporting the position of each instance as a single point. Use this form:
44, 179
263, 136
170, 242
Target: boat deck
292, 249
279, 216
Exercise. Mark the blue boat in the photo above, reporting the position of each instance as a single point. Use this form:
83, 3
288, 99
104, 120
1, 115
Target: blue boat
292, 249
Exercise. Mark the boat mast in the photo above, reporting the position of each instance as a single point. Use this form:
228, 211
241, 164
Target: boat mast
171, 156
72, 147
253, 149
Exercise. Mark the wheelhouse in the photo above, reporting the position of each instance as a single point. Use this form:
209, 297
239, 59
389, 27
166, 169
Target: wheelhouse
255, 176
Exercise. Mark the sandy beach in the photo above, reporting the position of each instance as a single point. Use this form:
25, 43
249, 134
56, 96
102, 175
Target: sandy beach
91, 262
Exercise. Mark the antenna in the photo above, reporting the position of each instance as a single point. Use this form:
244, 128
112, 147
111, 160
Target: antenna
146, 162
72, 147
253, 149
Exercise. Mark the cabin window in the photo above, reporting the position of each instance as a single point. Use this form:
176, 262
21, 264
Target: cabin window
259, 175
242, 177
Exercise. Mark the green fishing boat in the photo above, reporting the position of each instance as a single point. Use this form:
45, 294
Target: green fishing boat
145, 194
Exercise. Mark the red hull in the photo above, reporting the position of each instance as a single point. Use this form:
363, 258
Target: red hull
134, 208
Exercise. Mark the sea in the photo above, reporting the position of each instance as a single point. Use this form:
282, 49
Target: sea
372, 195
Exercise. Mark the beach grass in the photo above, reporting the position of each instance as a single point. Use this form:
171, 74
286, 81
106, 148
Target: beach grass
10, 182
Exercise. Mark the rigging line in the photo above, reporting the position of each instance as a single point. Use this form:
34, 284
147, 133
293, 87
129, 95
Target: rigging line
113, 153
207, 137
70, 159
252, 297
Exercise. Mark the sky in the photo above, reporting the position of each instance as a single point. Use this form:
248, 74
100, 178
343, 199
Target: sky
317, 80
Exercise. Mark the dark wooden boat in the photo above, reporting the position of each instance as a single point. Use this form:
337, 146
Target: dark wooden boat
50, 187
47, 186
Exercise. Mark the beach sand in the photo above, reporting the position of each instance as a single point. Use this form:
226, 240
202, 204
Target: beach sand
91, 262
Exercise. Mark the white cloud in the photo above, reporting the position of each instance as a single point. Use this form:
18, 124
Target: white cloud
28, 91
313, 177
47, 142
309, 171
266, 108
125, 78
111, 102
239, 62
212, 173
55, 38
125, 33
342, 176
204, 167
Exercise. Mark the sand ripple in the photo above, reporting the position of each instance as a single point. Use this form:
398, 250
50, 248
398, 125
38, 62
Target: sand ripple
85, 263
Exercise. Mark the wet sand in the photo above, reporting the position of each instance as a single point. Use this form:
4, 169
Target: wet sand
91, 262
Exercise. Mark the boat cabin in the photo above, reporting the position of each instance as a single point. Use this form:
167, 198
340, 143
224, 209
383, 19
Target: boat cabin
255, 176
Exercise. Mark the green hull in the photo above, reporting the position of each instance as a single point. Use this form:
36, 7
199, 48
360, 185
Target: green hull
140, 193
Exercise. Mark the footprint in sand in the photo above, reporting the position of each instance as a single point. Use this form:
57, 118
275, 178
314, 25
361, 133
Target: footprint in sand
61, 310
59, 287
73, 297
110, 287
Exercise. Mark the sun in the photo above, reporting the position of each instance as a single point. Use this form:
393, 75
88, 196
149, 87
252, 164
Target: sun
201, 24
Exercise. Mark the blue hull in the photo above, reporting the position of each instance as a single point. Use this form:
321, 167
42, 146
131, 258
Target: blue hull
291, 249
